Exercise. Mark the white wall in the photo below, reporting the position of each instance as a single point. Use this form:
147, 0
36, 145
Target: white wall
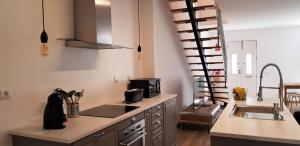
275, 45
1, 42
147, 36
170, 61
32, 77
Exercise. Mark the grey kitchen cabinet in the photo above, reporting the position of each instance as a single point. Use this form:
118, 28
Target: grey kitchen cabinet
161, 124
158, 141
148, 127
154, 125
170, 123
105, 137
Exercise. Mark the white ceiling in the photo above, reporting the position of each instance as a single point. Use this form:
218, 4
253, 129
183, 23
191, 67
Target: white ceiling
252, 14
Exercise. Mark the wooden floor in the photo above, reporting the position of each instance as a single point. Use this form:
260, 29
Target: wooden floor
193, 136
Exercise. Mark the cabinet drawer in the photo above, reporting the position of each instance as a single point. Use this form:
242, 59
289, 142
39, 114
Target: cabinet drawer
106, 136
157, 115
126, 123
156, 108
157, 124
158, 140
157, 132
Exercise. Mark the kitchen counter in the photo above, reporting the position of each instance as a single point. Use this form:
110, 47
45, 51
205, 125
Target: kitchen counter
287, 131
83, 126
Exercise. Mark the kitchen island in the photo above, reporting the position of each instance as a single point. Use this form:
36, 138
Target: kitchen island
234, 131
93, 131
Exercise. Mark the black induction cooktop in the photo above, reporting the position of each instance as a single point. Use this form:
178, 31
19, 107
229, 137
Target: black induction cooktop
108, 111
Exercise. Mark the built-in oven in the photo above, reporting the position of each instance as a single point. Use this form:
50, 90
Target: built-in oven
134, 135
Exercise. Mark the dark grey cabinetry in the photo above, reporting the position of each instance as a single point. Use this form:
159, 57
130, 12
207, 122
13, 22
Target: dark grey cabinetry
170, 123
161, 124
154, 125
106, 137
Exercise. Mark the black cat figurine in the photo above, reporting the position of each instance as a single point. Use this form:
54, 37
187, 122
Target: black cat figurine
54, 116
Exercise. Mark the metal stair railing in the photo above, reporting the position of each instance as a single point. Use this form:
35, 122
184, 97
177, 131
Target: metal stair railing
191, 12
222, 39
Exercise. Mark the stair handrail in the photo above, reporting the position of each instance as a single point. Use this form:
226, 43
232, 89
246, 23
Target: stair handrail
221, 35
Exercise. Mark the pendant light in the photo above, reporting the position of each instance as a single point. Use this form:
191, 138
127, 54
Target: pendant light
44, 37
139, 49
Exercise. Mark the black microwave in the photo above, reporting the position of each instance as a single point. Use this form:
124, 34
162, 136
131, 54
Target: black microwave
151, 86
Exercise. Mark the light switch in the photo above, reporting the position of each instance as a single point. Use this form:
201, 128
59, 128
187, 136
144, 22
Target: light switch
116, 80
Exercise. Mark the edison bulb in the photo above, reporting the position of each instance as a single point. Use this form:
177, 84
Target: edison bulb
44, 50
139, 55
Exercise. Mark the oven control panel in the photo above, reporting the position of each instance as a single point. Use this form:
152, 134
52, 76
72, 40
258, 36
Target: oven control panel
132, 129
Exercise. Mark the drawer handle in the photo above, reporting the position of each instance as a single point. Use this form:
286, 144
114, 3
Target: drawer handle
158, 122
132, 119
158, 107
158, 115
99, 135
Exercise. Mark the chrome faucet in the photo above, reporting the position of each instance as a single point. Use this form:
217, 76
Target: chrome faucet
280, 88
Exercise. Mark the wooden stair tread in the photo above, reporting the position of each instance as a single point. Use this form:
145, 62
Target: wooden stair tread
212, 81
205, 48
216, 96
220, 92
197, 8
212, 55
213, 87
210, 69
199, 63
199, 30
197, 19
201, 39
210, 76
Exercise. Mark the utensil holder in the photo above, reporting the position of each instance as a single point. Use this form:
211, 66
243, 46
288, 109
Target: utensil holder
73, 110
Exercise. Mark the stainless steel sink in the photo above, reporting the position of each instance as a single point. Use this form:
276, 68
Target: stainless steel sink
255, 112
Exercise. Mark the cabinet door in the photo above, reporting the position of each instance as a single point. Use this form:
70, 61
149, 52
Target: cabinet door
148, 126
106, 137
158, 141
170, 123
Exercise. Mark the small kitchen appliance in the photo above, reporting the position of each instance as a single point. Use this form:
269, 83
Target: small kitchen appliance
151, 86
54, 116
133, 95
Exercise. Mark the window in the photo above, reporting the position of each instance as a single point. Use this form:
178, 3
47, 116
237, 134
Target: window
248, 64
234, 64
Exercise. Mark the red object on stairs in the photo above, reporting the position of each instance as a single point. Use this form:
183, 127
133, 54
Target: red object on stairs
217, 48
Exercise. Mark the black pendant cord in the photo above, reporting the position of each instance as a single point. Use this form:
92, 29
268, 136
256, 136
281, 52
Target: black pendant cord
44, 35
139, 25
43, 12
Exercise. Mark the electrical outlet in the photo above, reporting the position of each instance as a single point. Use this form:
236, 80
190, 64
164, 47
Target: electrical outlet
5, 94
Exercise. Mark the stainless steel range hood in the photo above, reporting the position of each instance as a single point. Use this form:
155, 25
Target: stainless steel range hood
92, 25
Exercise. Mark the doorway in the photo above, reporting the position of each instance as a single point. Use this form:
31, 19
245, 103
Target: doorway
242, 66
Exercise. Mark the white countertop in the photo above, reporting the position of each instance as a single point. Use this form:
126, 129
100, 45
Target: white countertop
83, 126
287, 131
